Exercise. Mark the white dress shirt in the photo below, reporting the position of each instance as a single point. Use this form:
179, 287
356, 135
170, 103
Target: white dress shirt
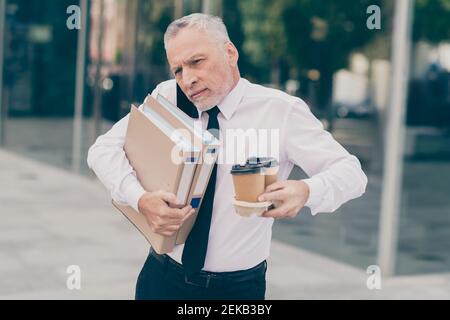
235, 242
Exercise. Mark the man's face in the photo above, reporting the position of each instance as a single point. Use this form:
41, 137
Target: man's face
203, 68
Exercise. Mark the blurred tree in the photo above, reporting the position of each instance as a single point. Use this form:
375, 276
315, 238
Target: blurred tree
232, 18
321, 35
154, 17
304, 39
265, 42
429, 96
431, 20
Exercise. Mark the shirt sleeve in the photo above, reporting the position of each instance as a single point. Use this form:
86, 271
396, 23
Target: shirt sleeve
107, 158
335, 176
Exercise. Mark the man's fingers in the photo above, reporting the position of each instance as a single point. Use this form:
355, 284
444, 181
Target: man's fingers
172, 224
275, 213
169, 197
186, 213
177, 214
275, 186
273, 191
274, 195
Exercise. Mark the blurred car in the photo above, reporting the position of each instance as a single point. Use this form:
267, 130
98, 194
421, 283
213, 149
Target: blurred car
354, 111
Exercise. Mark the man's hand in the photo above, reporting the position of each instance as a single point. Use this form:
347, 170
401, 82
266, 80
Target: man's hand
161, 217
290, 195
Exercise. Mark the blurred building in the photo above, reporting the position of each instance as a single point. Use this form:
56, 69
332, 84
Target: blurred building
61, 88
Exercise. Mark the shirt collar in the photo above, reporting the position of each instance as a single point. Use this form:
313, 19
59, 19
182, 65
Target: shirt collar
230, 103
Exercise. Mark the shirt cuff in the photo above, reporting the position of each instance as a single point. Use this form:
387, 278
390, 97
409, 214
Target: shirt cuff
133, 192
316, 194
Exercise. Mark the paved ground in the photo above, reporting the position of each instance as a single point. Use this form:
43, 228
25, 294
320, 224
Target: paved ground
51, 219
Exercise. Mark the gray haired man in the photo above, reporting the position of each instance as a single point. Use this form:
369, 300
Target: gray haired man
225, 254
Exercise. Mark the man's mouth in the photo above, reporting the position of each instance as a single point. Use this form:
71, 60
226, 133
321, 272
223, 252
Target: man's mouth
198, 94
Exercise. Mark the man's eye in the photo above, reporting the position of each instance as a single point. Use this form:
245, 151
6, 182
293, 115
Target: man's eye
198, 61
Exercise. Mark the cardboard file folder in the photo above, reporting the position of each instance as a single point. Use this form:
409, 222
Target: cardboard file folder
199, 138
149, 142
150, 146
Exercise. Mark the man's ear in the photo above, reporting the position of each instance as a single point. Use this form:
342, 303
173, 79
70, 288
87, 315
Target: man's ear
232, 53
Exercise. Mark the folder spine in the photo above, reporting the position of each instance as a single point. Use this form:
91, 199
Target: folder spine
198, 188
184, 186
203, 178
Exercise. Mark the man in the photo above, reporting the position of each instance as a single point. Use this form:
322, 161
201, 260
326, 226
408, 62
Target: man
225, 254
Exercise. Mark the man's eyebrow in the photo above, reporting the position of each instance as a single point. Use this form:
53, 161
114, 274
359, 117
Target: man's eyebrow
195, 57
191, 59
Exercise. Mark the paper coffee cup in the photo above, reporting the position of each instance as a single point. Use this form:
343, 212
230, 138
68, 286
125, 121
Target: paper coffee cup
249, 182
270, 168
270, 176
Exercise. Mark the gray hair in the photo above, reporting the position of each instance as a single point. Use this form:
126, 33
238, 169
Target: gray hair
206, 22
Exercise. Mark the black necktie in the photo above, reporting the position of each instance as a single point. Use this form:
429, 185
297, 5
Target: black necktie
194, 252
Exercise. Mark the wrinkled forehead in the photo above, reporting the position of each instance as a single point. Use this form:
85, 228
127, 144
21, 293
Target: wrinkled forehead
190, 42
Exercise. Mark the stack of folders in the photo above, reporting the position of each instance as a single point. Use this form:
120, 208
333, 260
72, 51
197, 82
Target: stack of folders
169, 151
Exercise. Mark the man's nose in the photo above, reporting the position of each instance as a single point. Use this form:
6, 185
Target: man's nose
189, 77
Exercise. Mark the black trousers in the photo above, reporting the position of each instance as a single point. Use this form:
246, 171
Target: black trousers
161, 278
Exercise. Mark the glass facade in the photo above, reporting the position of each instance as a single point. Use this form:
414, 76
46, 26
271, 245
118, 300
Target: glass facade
321, 51
424, 225
38, 80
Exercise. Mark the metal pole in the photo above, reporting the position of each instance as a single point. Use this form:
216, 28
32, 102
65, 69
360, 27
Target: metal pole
212, 7
79, 88
98, 87
2, 45
178, 10
206, 6
395, 136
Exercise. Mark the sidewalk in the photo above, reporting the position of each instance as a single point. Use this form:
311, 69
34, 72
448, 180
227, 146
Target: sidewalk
52, 219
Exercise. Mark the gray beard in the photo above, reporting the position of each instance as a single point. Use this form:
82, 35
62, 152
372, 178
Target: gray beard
219, 100
203, 109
